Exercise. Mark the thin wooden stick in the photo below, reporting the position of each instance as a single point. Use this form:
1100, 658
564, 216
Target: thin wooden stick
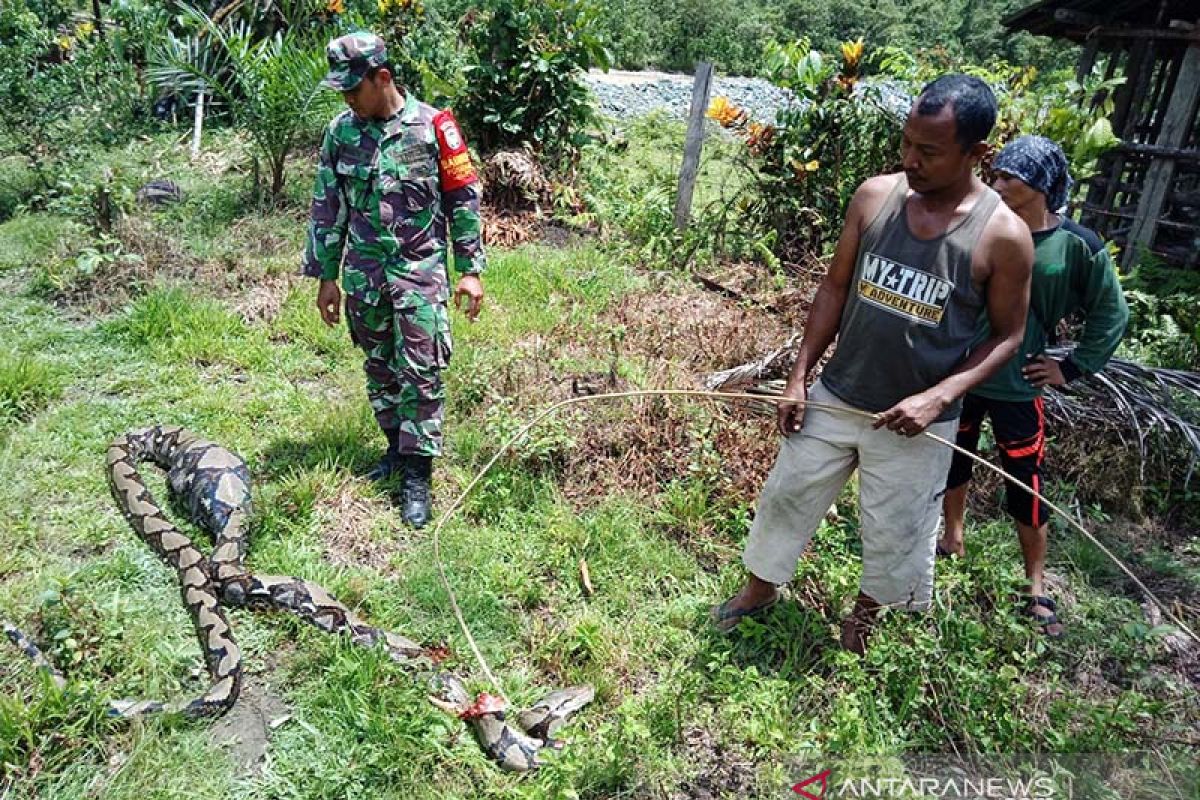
759, 398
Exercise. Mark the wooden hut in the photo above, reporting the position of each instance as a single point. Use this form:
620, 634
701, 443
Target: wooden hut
1146, 194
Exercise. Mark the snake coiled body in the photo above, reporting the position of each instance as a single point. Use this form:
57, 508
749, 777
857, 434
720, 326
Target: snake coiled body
222, 509
213, 484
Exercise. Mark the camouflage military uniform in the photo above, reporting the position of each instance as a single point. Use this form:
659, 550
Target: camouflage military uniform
389, 195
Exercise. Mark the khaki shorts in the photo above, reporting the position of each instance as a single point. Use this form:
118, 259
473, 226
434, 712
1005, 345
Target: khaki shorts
900, 486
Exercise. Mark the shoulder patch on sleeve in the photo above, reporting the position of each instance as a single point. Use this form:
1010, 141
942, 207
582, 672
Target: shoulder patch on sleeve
454, 162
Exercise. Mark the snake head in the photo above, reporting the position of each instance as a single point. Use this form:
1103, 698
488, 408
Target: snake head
448, 693
484, 705
546, 716
437, 653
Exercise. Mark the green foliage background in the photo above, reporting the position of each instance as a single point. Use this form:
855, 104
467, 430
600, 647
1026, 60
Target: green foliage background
157, 320
674, 34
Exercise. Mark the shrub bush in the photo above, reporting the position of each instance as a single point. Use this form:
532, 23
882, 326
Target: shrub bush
806, 167
1164, 322
424, 47
26, 386
62, 94
1072, 113
18, 183
525, 78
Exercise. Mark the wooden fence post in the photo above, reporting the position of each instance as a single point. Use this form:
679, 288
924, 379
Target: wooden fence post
197, 124
694, 143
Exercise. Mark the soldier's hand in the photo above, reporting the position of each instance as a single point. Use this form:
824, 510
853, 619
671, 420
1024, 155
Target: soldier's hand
329, 302
471, 287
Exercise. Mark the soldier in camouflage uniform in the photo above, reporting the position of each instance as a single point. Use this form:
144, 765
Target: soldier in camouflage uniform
394, 184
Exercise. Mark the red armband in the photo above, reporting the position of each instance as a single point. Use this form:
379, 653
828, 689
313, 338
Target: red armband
454, 162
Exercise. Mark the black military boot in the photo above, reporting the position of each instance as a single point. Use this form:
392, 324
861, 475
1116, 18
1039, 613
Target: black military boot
418, 475
392, 462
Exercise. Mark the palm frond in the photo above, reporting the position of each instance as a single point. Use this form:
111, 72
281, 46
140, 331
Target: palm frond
270, 85
772, 365
1158, 408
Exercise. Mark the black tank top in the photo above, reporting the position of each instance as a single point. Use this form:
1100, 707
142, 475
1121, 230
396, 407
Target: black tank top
911, 313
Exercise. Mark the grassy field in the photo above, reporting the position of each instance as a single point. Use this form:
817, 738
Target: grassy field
203, 326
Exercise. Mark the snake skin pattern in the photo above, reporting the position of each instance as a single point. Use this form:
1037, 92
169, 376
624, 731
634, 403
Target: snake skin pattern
32, 652
213, 484
513, 748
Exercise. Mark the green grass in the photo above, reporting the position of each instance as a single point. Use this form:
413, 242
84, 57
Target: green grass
27, 385
678, 706
36, 242
180, 327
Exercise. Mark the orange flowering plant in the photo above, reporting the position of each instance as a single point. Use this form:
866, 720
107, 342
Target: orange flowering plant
805, 164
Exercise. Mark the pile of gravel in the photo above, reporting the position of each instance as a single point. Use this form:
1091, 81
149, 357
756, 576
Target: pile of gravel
627, 97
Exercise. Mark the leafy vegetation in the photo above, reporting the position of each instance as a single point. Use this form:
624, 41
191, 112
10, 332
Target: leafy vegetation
525, 76
190, 313
803, 169
807, 165
271, 86
1164, 323
1056, 105
60, 93
674, 34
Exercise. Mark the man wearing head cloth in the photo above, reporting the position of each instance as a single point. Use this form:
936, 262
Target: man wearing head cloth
1072, 271
395, 194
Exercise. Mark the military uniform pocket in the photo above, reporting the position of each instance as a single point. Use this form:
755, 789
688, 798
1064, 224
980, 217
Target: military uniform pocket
425, 328
414, 159
406, 198
443, 341
356, 179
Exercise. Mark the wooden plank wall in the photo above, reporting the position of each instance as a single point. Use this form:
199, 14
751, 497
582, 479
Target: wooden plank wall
1146, 194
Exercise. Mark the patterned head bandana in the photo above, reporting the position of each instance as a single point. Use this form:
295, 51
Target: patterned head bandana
1039, 162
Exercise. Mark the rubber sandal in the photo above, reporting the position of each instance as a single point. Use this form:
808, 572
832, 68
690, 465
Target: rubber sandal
1044, 621
725, 619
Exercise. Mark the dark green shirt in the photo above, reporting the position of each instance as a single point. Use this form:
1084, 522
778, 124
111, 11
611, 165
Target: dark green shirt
1071, 272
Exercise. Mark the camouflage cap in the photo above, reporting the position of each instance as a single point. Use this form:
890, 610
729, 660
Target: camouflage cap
350, 57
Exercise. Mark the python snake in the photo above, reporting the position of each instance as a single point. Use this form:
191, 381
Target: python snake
213, 484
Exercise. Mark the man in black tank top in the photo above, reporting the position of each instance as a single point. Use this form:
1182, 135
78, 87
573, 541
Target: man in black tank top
922, 254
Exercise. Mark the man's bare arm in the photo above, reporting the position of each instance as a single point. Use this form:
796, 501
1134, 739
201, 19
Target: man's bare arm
825, 315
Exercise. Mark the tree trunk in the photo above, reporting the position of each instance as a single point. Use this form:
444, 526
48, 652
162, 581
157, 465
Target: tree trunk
98, 18
277, 177
197, 124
